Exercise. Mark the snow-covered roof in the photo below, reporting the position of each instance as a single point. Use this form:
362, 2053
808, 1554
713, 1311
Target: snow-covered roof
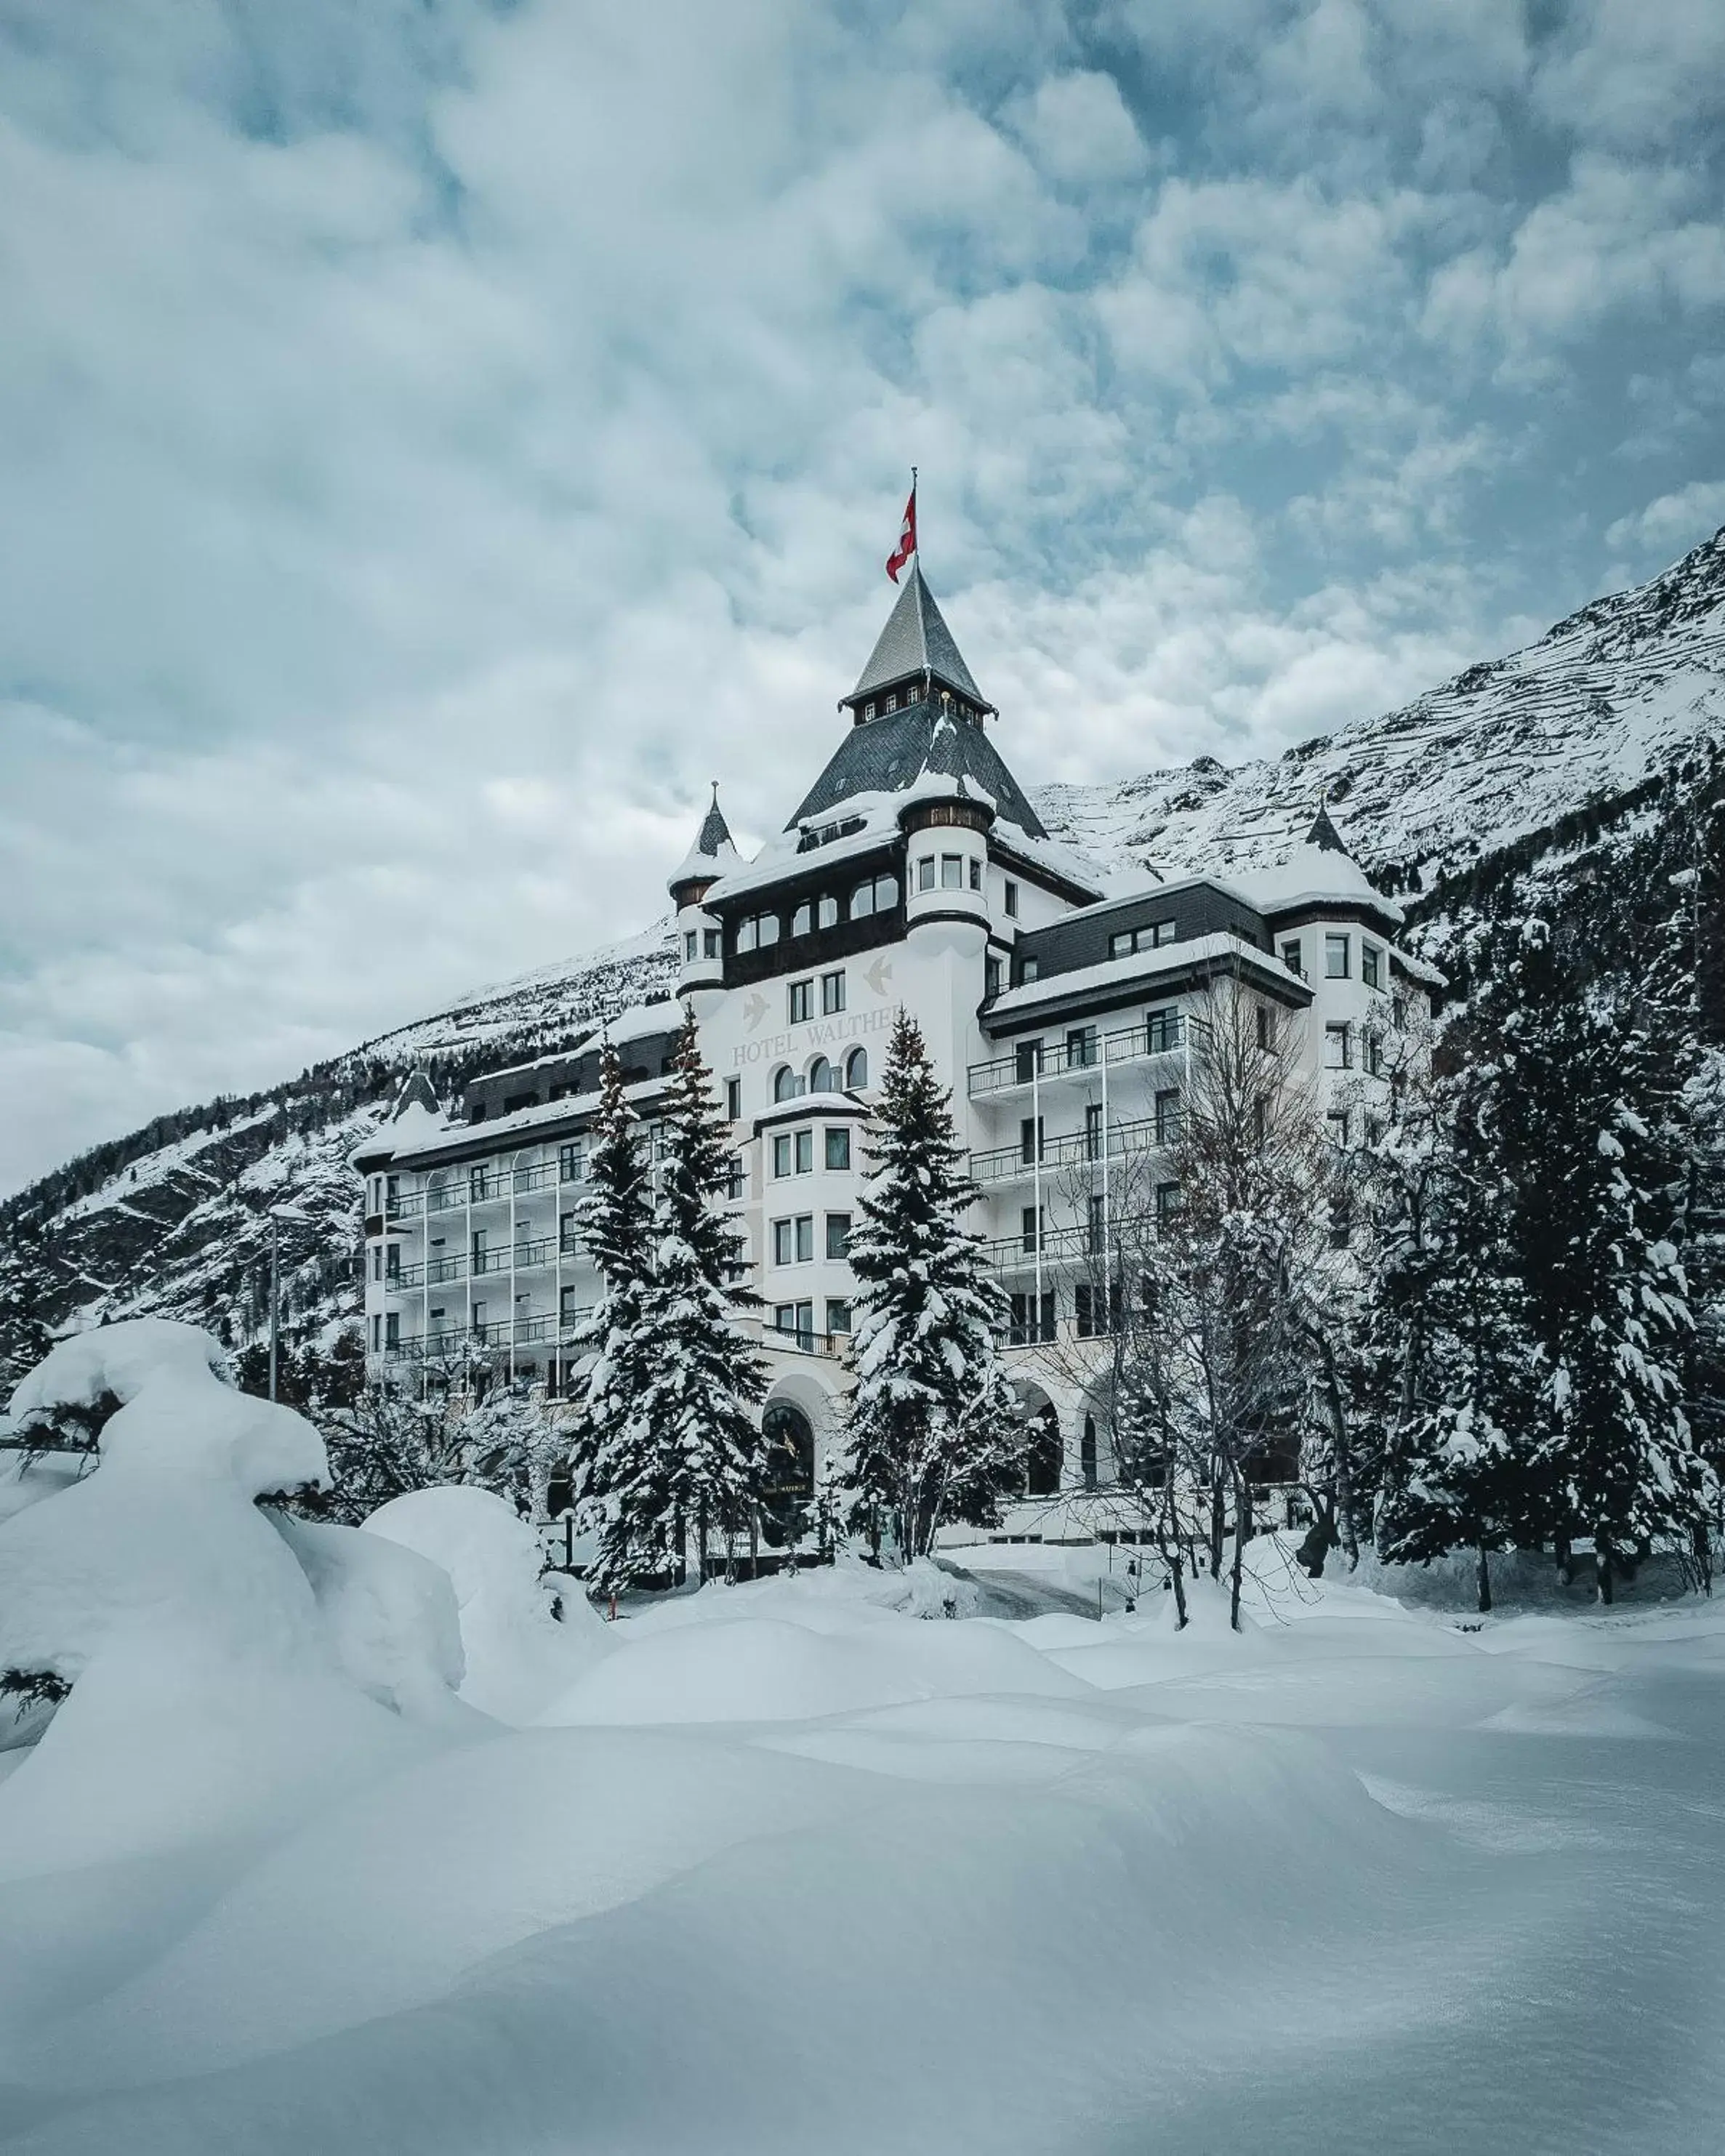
1138, 970
1319, 871
889, 754
712, 851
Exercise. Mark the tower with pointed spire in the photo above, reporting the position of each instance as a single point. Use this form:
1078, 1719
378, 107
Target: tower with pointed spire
700, 939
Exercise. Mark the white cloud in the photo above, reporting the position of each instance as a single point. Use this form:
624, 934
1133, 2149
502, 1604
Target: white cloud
1078, 130
1671, 524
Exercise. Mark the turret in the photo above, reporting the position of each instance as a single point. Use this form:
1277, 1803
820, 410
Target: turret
700, 941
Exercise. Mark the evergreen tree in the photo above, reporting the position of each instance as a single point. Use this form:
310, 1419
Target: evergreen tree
610, 1438
934, 1432
702, 1462
1459, 1445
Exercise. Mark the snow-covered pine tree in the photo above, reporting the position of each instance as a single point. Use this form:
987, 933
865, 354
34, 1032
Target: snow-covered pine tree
935, 1432
610, 1438
703, 1465
1587, 1126
1458, 1449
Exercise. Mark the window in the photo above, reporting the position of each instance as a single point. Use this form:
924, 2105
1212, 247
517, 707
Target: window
787, 1083
1162, 1031
991, 976
1093, 1130
1030, 1227
1337, 1121
856, 1070
797, 1317
1338, 1048
1080, 1047
572, 1160
826, 913
1167, 1202
804, 1224
822, 1076
710, 943
569, 1310
478, 1185
879, 895
733, 1100
736, 1176
1167, 1116
1028, 1062
837, 1316
784, 1242
802, 920
1029, 1322
1087, 1453
1150, 937
838, 1153
1371, 964
377, 1336
392, 1329
838, 1234
951, 871
926, 873
891, 703
800, 999
1086, 1310
1028, 969
1372, 1053
832, 993
976, 875
1290, 958
869, 711
691, 944
757, 932
1097, 1224
793, 1153
1398, 1012
1266, 1027
1336, 957
1011, 899
1030, 1139
376, 1261
569, 1241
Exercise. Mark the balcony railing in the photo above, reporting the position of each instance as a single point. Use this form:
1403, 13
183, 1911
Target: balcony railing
1162, 1036
1012, 1164
803, 1340
456, 1340
509, 1257
1018, 1253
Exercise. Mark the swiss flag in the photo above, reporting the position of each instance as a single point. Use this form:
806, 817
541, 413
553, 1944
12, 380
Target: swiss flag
907, 539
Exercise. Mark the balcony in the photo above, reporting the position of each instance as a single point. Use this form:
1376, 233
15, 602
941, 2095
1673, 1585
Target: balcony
1011, 1164
515, 1257
1017, 1254
801, 1340
458, 1340
1078, 1055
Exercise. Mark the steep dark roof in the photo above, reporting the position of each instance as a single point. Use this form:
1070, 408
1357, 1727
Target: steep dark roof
888, 755
714, 831
915, 640
1323, 834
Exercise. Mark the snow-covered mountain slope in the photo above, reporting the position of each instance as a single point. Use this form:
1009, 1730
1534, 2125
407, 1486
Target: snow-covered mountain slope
1608, 695
174, 1218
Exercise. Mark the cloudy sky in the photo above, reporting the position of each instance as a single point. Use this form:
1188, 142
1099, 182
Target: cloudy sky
439, 436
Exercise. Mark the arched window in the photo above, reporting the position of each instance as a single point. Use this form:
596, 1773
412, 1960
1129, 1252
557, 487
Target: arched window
822, 1076
856, 1070
787, 1083
1043, 1477
790, 1450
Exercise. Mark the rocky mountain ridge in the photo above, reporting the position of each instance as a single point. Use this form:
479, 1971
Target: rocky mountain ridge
1518, 760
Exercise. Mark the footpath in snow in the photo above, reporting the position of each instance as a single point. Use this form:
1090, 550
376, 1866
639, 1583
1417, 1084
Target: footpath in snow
343, 1842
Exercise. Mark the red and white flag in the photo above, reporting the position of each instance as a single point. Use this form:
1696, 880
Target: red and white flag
907, 538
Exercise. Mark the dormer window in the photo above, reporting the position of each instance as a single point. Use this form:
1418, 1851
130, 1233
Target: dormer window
892, 699
868, 711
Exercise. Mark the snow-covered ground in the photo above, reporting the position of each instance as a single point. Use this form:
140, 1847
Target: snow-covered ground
809, 1864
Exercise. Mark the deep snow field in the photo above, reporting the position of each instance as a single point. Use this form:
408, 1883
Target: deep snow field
794, 1867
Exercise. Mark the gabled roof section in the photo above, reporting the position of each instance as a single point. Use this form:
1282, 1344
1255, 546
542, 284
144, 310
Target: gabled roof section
890, 755
917, 641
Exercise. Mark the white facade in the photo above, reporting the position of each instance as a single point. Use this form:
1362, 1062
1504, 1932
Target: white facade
914, 875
